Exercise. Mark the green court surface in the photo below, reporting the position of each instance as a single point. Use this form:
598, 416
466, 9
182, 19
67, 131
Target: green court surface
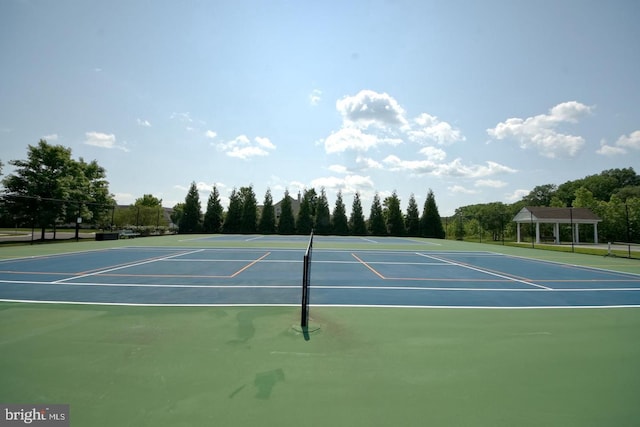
150, 366
237, 366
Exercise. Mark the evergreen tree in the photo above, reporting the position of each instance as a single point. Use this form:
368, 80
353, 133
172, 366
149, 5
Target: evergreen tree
249, 218
191, 212
339, 221
286, 222
233, 219
323, 217
304, 223
377, 227
413, 218
213, 216
357, 225
430, 223
267, 224
393, 215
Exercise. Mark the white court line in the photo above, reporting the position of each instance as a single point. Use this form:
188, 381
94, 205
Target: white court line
125, 266
457, 307
422, 243
486, 271
329, 287
254, 238
294, 261
368, 240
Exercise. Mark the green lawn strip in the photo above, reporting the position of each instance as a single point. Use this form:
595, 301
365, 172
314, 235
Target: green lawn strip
155, 366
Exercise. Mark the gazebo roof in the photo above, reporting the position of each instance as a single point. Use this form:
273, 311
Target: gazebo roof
560, 215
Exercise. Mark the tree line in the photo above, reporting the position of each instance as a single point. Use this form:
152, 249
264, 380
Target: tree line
313, 212
50, 188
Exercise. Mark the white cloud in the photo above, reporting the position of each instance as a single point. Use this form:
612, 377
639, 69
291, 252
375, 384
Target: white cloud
103, 140
454, 168
517, 195
430, 128
52, 137
183, 117
264, 142
368, 163
144, 123
461, 190
433, 153
201, 186
539, 132
621, 146
492, 183
350, 139
368, 108
210, 134
349, 184
372, 119
395, 164
630, 141
338, 168
609, 150
315, 97
243, 148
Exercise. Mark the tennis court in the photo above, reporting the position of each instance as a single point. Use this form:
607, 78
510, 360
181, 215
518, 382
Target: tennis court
204, 330
272, 276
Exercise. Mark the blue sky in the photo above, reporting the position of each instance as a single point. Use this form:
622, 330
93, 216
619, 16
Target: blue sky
479, 101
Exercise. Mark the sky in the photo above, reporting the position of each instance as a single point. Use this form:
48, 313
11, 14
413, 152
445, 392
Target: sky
478, 101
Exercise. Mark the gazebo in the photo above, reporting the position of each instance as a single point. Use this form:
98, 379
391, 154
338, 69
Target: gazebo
543, 215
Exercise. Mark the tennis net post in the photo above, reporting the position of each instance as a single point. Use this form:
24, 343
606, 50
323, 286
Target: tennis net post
306, 279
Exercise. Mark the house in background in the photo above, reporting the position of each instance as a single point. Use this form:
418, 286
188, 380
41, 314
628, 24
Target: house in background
544, 215
277, 207
295, 207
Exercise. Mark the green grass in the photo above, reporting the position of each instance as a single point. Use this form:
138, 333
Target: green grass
150, 366
173, 366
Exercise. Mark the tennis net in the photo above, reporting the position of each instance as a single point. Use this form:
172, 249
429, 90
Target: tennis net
306, 279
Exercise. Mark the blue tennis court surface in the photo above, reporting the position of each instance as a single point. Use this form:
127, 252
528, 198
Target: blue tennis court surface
256, 276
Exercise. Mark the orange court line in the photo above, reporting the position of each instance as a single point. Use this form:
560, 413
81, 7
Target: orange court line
368, 266
250, 264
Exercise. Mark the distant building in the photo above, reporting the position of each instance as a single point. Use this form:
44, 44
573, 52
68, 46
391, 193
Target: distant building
545, 215
277, 207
